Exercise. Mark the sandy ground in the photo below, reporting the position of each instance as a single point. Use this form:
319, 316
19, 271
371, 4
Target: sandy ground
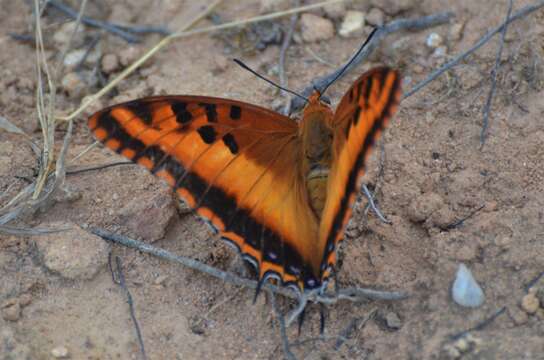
56, 292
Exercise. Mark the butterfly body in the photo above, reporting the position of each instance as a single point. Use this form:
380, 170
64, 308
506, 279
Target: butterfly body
279, 190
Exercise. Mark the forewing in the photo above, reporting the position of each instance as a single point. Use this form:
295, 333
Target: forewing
235, 164
360, 117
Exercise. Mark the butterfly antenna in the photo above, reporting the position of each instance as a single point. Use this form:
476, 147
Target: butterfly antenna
239, 62
343, 70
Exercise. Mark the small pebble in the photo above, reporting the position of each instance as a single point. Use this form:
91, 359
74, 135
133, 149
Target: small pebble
440, 52
434, 40
518, 316
393, 321
160, 280
335, 11
110, 63
462, 344
315, 28
74, 58
465, 290
128, 55
12, 312
353, 24
25, 299
456, 31
375, 17
530, 303
269, 6
63, 35
73, 84
60, 352
452, 352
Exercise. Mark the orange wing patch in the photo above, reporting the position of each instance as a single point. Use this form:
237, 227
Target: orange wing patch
361, 116
235, 164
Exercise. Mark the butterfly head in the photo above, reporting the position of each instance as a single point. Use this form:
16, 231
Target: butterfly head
318, 103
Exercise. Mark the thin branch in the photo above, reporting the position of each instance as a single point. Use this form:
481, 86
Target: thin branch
494, 72
283, 329
97, 167
484, 39
481, 325
120, 280
373, 206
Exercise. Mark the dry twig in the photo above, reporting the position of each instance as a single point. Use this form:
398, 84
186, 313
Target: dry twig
487, 107
118, 277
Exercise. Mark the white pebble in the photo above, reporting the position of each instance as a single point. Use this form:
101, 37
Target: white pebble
353, 24
60, 352
465, 290
434, 40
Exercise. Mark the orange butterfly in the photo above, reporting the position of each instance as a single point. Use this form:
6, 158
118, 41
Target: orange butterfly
279, 190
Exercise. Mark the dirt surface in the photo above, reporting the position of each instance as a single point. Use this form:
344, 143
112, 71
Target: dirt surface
432, 172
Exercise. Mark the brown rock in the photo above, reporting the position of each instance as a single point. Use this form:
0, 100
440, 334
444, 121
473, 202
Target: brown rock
73, 254
315, 28
530, 303
394, 7
375, 17
443, 217
128, 55
423, 206
25, 300
12, 312
335, 11
353, 24
149, 216
269, 6
110, 63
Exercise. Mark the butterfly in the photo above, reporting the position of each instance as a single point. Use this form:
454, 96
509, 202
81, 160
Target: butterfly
280, 190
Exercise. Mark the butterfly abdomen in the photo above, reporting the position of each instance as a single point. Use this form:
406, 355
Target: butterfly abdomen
316, 146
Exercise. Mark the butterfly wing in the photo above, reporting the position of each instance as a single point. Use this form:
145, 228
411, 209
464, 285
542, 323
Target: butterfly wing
360, 117
235, 164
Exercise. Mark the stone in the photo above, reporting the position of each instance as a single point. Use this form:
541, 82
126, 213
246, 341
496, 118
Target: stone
74, 58
73, 84
315, 28
147, 217
353, 24
63, 35
129, 55
269, 6
73, 254
12, 312
456, 31
335, 11
518, 316
530, 303
25, 299
394, 7
443, 217
110, 63
434, 40
375, 17
60, 352
465, 290
422, 207
393, 321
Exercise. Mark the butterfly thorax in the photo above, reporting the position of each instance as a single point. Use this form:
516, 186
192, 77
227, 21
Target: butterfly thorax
316, 137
